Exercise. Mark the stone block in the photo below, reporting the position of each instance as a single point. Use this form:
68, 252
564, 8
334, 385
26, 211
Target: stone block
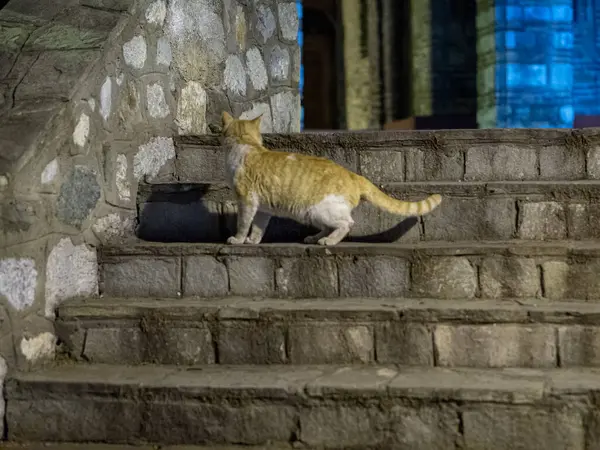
495, 345
194, 422
579, 346
593, 162
78, 196
444, 277
466, 219
375, 276
502, 162
509, 277
382, 166
330, 343
542, 221
561, 163
204, 276
141, 277
251, 342
555, 279
302, 277
510, 428
382, 226
582, 220
433, 165
251, 276
166, 343
403, 343
578, 280
200, 165
114, 345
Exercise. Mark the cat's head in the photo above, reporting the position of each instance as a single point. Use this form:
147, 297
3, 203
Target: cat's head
242, 130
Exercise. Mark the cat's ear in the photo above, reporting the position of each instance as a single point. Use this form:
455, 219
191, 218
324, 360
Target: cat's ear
256, 121
227, 119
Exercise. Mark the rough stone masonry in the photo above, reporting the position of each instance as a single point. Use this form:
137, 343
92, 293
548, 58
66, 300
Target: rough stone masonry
91, 95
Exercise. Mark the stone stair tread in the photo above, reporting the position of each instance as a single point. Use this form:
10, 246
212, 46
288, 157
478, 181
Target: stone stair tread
484, 311
505, 385
77, 446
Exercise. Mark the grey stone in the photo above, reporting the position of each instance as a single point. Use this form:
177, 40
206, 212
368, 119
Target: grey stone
134, 52
266, 23
116, 227
330, 343
501, 162
191, 109
156, 13
141, 277
116, 5
315, 277
512, 428
152, 156
403, 343
288, 20
282, 105
78, 196
381, 166
18, 281
129, 111
156, 101
593, 162
114, 346
434, 165
571, 280
444, 277
579, 346
279, 64
256, 69
296, 63
542, 220
556, 279
509, 277
251, 276
200, 165
250, 342
560, 163
204, 276
235, 76
377, 276
260, 109
164, 55
170, 344
495, 345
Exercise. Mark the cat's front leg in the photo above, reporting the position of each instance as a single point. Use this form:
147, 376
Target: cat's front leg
246, 212
259, 226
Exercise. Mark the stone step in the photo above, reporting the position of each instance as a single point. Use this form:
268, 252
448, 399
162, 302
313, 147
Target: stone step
76, 446
422, 332
445, 270
445, 155
533, 210
336, 407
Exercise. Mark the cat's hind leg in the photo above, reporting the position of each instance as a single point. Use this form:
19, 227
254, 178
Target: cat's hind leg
315, 238
246, 212
332, 213
259, 226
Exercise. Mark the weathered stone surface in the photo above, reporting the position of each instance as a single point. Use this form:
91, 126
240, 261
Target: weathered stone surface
156, 13
235, 76
250, 342
566, 281
134, 52
191, 110
78, 196
288, 20
593, 162
106, 98
495, 345
82, 130
115, 228
251, 276
508, 428
164, 55
315, 277
382, 166
542, 220
376, 276
282, 105
500, 162
509, 277
142, 277
256, 69
18, 281
71, 271
560, 163
114, 346
279, 64
265, 23
324, 343
403, 343
444, 277
166, 344
156, 101
200, 165
555, 279
204, 276
579, 346
152, 156
263, 110
122, 178
434, 166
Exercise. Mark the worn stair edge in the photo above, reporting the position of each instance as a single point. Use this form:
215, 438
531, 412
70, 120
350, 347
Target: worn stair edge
510, 333
450, 270
334, 407
84, 446
466, 155
469, 211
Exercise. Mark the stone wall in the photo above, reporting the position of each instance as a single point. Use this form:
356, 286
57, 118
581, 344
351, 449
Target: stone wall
92, 94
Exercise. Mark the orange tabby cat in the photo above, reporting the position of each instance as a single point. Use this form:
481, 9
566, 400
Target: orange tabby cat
314, 191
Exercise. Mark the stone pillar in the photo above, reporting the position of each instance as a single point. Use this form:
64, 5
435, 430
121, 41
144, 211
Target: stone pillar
422, 92
586, 56
532, 64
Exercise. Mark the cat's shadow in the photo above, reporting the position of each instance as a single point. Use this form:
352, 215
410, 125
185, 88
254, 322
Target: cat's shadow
204, 213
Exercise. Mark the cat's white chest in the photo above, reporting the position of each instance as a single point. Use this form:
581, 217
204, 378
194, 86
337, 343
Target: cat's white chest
236, 154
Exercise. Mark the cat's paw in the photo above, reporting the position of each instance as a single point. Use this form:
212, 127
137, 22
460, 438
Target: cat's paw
326, 241
311, 240
235, 241
252, 240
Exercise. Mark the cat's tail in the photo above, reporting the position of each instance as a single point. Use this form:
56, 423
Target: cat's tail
374, 195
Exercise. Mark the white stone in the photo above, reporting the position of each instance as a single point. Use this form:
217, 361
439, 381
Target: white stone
157, 104
18, 280
266, 22
50, 171
121, 179
257, 69
152, 156
71, 271
82, 130
156, 13
288, 20
42, 346
114, 226
92, 104
120, 79
191, 110
164, 55
266, 123
235, 75
282, 106
134, 52
279, 65
3, 181
106, 98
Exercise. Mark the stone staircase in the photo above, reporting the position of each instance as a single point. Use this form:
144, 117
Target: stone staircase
475, 327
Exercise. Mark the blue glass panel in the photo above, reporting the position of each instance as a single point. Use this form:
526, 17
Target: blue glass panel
567, 113
562, 13
538, 13
561, 75
562, 39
